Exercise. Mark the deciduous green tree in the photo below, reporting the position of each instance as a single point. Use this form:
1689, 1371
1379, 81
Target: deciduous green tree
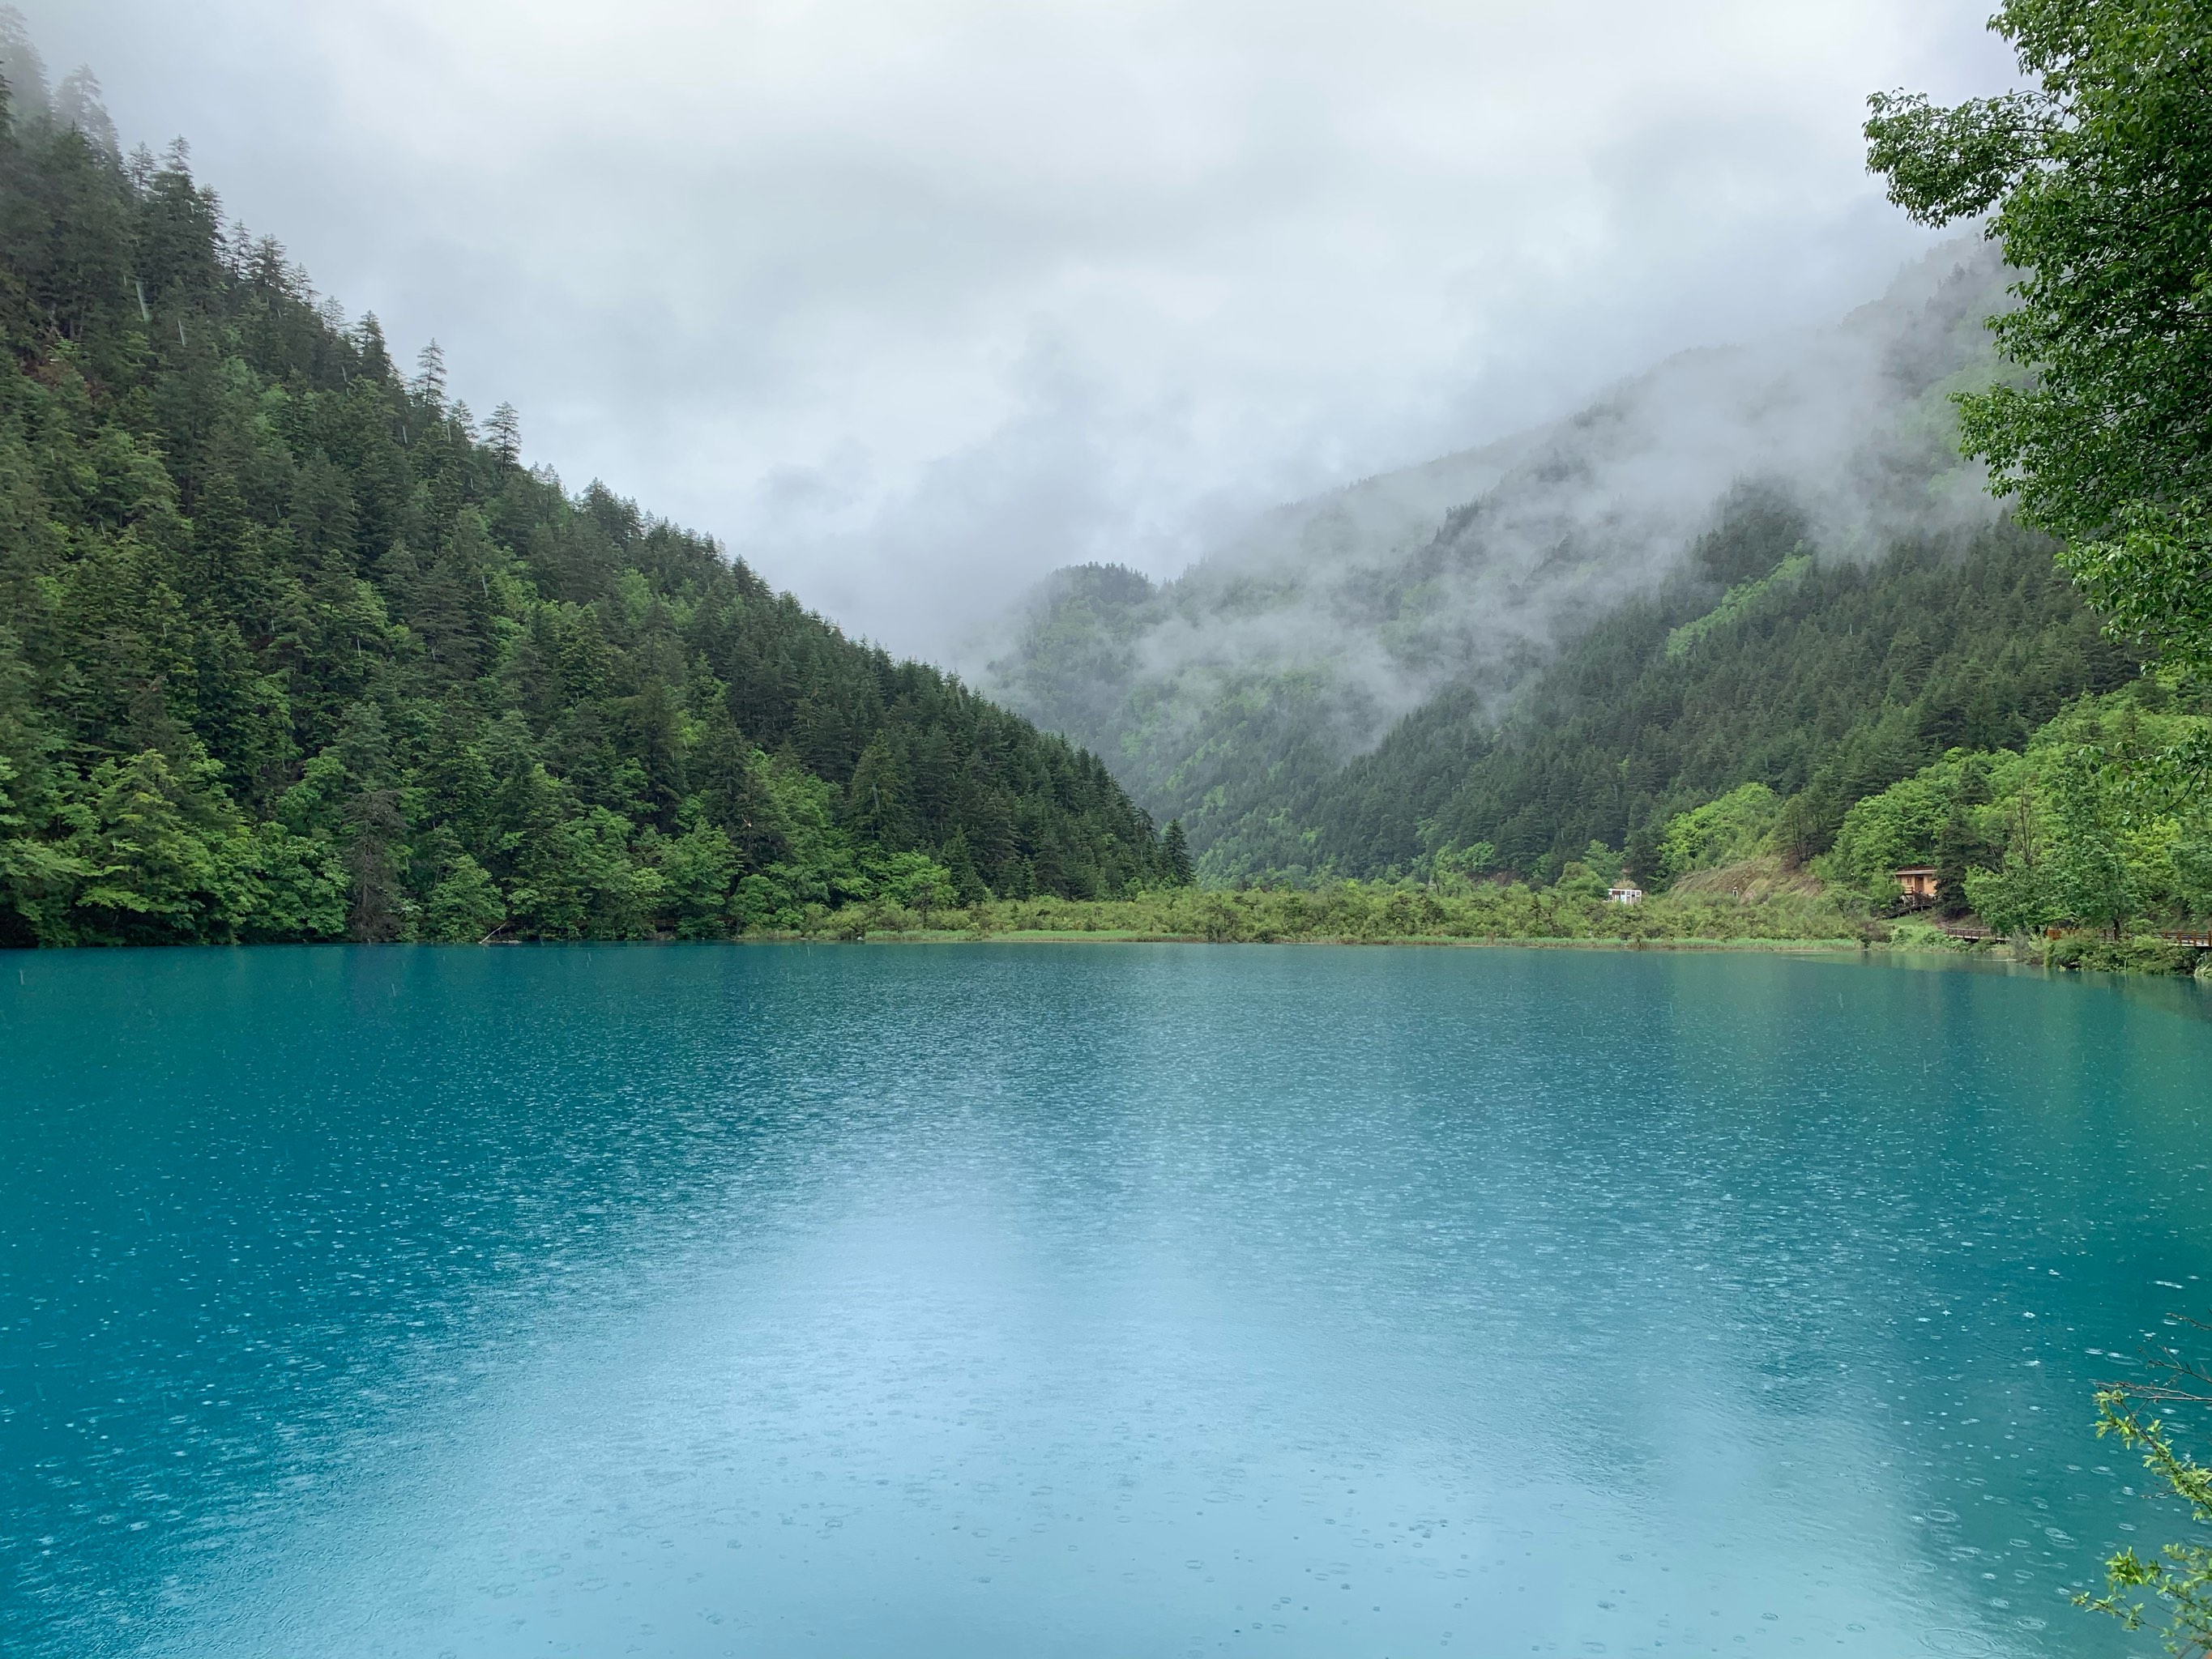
919, 882
2099, 172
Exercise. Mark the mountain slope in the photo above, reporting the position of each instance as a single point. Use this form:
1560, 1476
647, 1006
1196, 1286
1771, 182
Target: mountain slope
292, 649
1824, 680
1237, 690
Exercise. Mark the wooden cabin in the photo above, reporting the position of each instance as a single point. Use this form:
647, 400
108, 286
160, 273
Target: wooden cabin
1917, 882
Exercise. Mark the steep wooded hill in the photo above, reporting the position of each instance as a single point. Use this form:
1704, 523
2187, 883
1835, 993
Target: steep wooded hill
292, 648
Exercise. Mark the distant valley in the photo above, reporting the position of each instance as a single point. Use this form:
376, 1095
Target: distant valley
1389, 636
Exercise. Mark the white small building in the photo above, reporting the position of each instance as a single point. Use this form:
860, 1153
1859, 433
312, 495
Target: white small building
1624, 894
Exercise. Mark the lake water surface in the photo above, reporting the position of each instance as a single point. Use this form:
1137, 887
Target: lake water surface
947, 1302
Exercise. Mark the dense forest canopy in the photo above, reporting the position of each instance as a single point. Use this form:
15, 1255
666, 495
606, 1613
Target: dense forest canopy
1768, 658
1823, 680
294, 648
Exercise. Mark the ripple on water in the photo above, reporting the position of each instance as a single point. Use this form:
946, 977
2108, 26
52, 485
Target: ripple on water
989, 1299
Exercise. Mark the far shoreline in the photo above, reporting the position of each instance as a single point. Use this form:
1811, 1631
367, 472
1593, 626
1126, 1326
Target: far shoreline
1965, 953
1108, 936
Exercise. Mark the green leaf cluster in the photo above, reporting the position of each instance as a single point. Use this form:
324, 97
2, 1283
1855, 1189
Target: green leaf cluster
2180, 1574
2100, 176
1725, 831
2096, 825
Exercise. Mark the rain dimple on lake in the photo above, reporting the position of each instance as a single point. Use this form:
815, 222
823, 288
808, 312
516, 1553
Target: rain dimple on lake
992, 1300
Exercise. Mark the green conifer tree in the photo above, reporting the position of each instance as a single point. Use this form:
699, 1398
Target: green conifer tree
1175, 855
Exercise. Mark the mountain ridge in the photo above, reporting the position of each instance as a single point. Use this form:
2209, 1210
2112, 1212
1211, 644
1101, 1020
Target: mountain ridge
294, 650
1269, 666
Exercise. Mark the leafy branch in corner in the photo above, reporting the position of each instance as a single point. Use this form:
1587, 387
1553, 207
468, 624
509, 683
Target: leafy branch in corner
2181, 1574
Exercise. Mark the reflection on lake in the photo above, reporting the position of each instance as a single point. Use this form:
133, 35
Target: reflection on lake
1013, 1300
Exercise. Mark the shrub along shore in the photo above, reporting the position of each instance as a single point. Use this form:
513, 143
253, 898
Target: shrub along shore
1807, 918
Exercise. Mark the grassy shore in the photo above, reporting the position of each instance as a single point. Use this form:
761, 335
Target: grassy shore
1361, 913
1799, 918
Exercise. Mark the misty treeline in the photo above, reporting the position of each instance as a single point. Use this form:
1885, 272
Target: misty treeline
1761, 745
1952, 704
292, 648
1756, 698
1766, 658
1826, 686
1234, 695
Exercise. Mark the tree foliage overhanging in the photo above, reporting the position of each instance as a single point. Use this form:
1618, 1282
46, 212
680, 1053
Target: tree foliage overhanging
291, 650
2100, 176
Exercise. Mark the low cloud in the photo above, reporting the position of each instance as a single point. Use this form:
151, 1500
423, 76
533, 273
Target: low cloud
1300, 640
910, 303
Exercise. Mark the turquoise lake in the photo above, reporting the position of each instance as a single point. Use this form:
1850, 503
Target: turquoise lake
944, 1301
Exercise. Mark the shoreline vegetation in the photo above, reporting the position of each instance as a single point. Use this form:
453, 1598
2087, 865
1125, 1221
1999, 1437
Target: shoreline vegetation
1804, 918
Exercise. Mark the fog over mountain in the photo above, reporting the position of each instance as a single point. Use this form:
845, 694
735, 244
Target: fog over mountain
1299, 642
909, 304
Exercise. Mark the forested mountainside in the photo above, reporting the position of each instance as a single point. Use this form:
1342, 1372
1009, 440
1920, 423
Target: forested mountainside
293, 649
1822, 680
1233, 694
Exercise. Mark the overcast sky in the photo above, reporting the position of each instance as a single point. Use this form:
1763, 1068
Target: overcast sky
910, 301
